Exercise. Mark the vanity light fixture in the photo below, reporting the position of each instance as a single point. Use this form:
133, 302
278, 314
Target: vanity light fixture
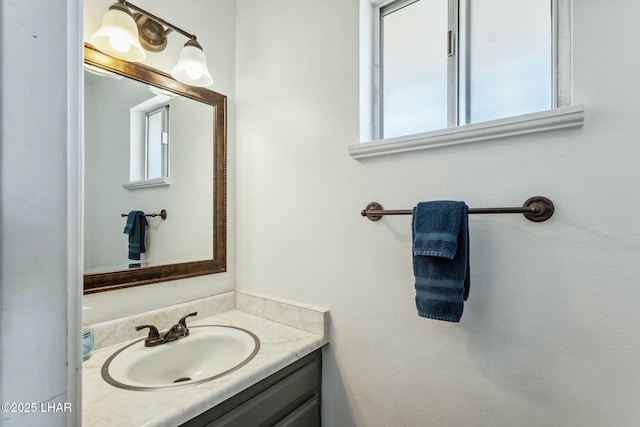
127, 36
118, 35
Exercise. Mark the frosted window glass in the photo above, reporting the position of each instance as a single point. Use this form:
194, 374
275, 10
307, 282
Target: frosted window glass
154, 147
414, 71
509, 59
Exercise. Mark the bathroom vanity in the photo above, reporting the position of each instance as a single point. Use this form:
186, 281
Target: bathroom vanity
290, 397
280, 385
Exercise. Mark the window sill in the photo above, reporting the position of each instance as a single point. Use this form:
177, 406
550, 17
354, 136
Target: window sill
559, 118
146, 183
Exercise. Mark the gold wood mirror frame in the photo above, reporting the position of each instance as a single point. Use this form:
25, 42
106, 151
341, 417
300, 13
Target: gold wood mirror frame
98, 282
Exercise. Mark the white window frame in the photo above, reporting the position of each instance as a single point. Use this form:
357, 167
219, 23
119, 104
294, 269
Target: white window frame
562, 114
138, 144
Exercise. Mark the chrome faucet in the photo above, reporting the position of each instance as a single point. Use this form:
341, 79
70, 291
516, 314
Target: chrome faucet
176, 332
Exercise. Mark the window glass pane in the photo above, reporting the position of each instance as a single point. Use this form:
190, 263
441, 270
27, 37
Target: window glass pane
414, 68
154, 144
509, 58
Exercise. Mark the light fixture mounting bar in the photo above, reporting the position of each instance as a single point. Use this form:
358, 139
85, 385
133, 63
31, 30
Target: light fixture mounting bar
157, 19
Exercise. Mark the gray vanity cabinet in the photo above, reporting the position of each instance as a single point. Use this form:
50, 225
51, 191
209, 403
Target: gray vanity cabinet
289, 398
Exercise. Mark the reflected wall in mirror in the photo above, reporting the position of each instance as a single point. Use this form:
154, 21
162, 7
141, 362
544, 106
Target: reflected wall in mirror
190, 184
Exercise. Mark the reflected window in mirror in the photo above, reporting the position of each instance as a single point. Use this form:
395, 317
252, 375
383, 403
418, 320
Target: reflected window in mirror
157, 143
150, 139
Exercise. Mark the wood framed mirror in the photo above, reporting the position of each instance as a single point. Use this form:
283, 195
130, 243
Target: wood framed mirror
123, 275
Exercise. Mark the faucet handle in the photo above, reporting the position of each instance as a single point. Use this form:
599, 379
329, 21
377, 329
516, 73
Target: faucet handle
183, 320
154, 336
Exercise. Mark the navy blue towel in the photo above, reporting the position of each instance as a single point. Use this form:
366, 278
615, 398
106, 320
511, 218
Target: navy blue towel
135, 228
441, 259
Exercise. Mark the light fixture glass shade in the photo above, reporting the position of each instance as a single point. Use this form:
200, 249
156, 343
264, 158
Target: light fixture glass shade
192, 68
118, 35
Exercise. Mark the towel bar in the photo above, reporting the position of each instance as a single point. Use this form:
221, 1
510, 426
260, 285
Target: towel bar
536, 209
162, 214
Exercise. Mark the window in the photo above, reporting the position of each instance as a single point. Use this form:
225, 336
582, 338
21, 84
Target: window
414, 67
506, 58
447, 63
441, 67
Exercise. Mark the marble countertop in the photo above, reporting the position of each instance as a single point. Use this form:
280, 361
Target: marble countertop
105, 405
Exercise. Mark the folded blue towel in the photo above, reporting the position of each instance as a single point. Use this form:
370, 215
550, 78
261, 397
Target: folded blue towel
441, 259
135, 228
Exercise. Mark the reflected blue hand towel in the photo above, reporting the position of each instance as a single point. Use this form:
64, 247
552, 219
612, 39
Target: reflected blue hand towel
135, 228
441, 259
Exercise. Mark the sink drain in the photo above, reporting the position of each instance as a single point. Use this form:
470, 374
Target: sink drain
179, 380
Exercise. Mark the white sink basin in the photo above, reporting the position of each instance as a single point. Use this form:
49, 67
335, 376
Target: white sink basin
208, 352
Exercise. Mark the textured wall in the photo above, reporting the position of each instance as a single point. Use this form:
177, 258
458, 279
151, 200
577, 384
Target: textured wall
550, 334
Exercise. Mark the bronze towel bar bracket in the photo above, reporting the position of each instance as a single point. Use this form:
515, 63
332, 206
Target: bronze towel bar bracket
536, 209
162, 214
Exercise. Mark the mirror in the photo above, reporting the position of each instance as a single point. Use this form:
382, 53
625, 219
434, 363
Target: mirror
191, 241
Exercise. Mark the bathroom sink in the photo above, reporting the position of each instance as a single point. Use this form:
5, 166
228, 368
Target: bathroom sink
209, 352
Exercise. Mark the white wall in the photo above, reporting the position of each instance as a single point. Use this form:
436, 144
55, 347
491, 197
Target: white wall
39, 214
214, 25
550, 334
